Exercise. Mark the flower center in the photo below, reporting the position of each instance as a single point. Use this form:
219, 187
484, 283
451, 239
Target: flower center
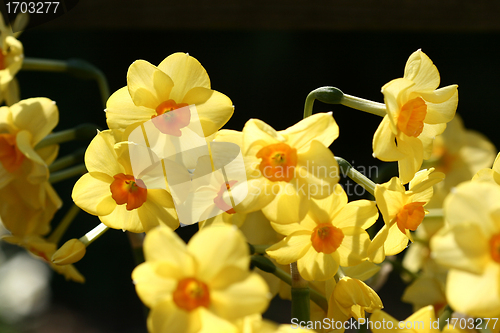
411, 117
495, 247
169, 120
410, 216
326, 238
278, 162
10, 155
191, 293
219, 202
125, 189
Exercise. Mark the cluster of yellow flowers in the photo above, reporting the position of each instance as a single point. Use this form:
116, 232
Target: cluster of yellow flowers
295, 223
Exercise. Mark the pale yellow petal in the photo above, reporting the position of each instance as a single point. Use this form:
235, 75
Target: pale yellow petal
477, 295
359, 213
420, 69
441, 104
186, 72
241, 299
390, 198
229, 136
325, 210
462, 246
101, 157
317, 265
213, 323
384, 144
396, 241
93, 195
162, 244
362, 271
320, 127
167, 317
39, 171
290, 205
214, 108
122, 112
317, 170
121, 218
158, 210
257, 134
375, 250
260, 194
395, 96
353, 249
38, 116
150, 286
291, 248
413, 150
226, 244
148, 86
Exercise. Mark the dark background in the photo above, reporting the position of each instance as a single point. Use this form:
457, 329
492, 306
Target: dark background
266, 58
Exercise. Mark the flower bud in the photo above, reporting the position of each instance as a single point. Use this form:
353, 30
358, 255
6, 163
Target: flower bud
71, 252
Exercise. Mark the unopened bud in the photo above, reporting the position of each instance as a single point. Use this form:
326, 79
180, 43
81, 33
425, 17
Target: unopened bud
71, 252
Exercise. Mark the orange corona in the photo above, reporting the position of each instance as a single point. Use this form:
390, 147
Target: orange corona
10, 155
411, 117
410, 216
495, 247
191, 294
125, 189
278, 162
326, 238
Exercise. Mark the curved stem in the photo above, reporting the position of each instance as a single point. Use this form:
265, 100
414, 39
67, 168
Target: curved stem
93, 234
365, 105
67, 173
80, 132
355, 175
67, 160
76, 67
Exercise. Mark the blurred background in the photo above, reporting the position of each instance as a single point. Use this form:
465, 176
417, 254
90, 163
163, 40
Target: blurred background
266, 56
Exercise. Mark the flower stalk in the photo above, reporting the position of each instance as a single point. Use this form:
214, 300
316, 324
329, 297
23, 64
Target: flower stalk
67, 160
58, 176
61, 228
355, 175
93, 234
77, 67
300, 295
80, 132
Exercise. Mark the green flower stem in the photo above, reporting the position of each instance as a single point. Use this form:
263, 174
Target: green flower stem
267, 265
332, 95
446, 314
80, 132
58, 176
300, 295
400, 268
339, 275
61, 228
93, 234
355, 175
67, 160
77, 67
365, 105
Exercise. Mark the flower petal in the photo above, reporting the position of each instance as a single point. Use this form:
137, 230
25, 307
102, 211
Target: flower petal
122, 112
320, 127
121, 218
148, 86
420, 69
38, 116
101, 157
150, 286
288, 206
291, 248
359, 213
384, 143
241, 299
318, 266
441, 104
93, 195
228, 245
186, 72
214, 108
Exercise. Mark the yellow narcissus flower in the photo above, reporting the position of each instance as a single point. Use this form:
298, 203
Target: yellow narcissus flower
351, 298
416, 112
178, 81
403, 211
11, 59
204, 286
470, 246
332, 234
286, 168
22, 127
110, 191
